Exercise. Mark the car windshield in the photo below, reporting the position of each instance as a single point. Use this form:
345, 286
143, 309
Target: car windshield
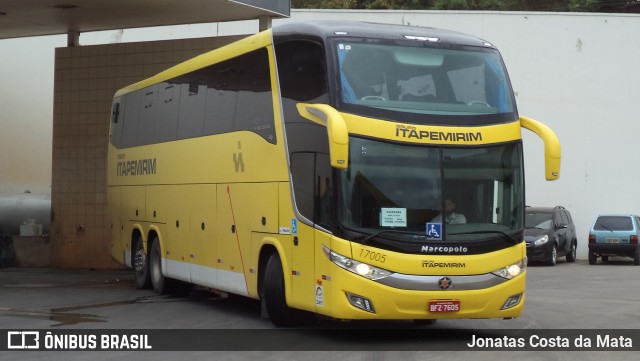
541, 220
419, 194
613, 223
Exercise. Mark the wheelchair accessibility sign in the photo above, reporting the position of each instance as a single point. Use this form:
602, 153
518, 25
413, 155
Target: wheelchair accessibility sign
434, 231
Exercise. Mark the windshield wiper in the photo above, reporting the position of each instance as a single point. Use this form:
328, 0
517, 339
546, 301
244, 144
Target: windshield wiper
510, 238
365, 239
533, 228
605, 227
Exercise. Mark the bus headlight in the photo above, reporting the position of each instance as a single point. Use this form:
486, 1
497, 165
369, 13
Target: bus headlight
513, 270
359, 268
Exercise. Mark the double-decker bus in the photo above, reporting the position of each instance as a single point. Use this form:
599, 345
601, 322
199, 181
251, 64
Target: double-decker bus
351, 170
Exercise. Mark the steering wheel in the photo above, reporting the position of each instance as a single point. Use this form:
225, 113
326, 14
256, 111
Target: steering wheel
480, 102
373, 97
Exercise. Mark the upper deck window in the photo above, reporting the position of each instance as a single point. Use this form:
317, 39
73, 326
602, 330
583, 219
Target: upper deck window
434, 80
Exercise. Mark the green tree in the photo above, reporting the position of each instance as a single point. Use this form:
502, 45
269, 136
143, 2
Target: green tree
501, 5
584, 5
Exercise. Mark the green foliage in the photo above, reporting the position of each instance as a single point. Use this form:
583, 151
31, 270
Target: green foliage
501, 5
584, 5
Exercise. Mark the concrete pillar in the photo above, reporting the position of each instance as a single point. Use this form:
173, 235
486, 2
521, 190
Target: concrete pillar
265, 23
73, 38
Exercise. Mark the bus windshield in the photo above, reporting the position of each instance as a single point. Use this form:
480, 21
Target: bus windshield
397, 192
421, 82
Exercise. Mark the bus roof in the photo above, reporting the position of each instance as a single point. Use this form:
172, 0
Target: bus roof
332, 28
321, 29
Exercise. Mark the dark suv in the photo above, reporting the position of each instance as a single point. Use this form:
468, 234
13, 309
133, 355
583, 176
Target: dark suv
549, 233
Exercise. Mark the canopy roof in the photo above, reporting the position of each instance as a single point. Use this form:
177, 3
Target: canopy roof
22, 18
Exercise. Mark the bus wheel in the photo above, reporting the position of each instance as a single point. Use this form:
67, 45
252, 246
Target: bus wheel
158, 281
280, 314
161, 284
141, 266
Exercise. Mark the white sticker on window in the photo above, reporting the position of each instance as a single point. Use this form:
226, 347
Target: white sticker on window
393, 217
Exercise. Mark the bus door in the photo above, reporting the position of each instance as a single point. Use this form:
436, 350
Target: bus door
313, 187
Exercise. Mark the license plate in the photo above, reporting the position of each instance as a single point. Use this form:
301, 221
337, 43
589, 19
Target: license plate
444, 306
612, 240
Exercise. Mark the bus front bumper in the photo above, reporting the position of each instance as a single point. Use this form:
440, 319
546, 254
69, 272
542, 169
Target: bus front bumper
355, 297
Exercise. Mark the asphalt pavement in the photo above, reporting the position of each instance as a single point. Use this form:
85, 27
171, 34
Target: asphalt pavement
583, 298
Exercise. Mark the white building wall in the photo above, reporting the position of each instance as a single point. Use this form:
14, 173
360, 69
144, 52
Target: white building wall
575, 72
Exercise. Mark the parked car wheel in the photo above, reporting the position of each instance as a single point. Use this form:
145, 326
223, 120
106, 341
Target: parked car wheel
571, 256
636, 257
553, 257
592, 258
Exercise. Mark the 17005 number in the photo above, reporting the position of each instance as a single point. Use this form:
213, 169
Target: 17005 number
374, 256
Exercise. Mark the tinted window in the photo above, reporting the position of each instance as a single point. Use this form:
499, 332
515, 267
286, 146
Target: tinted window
131, 114
147, 120
233, 95
301, 72
612, 223
167, 116
193, 96
563, 219
538, 220
117, 121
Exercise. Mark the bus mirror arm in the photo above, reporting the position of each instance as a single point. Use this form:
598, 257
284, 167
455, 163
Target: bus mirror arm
330, 118
552, 150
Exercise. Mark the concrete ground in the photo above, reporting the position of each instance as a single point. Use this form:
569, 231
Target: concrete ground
601, 298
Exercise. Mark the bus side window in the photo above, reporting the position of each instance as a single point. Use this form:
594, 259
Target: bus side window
238, 96
302, 76
254, 110
167, 116
146, 123
131, 115
193, 96
302, 174
220, 114
117, 121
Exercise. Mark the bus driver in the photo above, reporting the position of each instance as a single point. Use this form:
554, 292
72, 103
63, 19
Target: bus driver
451, 217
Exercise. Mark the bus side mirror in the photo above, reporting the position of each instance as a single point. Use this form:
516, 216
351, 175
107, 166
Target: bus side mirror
552, 151
330, 118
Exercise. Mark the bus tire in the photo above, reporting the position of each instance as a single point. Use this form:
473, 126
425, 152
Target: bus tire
158, 281
164, 285
141, 265
279, 313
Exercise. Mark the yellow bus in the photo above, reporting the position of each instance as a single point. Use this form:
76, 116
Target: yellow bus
350, 170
